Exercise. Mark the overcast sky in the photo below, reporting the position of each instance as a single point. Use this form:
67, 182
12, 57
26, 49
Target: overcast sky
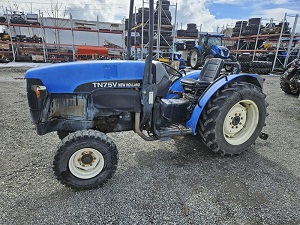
210, 13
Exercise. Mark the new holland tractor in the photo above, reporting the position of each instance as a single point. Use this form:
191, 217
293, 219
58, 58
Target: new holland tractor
83, 101
208, 47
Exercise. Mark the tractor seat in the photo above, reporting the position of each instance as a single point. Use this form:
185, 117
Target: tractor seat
211, 71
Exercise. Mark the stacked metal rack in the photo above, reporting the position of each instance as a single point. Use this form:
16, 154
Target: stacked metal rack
20, 47
164, 35
189, 37
251, 37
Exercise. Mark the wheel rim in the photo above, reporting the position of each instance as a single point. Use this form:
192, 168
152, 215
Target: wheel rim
86, 163
194, 58
228, 68
240, 122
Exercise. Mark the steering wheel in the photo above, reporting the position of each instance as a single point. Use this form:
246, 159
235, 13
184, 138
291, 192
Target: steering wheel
173, 73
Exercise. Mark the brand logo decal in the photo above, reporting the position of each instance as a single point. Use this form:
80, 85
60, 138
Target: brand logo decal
115, 84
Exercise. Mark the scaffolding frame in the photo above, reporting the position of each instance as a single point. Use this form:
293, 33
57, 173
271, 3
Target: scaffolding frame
292, 35
158, 34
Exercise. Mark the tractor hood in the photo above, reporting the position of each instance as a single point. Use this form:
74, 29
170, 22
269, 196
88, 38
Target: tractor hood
77, 76
221, 51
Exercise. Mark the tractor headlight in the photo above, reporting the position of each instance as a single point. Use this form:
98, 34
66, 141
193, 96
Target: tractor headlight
40, 91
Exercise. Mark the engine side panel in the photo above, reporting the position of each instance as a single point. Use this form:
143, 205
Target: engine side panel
117, 100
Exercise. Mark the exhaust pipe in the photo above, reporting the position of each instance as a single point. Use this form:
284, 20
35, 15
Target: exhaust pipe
138, 130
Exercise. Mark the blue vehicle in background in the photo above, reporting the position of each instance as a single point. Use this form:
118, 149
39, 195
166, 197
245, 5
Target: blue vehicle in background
178, 57
210, 46
83, 101
172, 58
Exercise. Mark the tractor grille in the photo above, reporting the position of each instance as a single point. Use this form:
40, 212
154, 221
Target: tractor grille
69, 106
225, 52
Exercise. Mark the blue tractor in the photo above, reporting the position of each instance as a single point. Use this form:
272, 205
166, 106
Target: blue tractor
210, 46
83, 101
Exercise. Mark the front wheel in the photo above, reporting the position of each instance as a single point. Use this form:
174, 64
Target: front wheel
233, 118
85, 160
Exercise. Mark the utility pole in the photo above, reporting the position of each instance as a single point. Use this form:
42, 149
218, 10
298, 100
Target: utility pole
73, 45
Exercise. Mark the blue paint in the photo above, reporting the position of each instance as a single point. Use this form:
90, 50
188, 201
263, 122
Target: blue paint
177, 86
65, 77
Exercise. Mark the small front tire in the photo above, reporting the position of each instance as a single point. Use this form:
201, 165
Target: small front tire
85, 160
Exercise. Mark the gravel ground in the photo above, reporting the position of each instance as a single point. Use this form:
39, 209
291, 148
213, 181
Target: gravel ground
173, 182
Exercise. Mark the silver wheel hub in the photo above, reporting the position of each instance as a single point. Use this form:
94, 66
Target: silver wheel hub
86, 163
228, 67
235, 120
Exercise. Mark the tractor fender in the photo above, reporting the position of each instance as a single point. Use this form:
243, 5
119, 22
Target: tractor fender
213, 88
199, 48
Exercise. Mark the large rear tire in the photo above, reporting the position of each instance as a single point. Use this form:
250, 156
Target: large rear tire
85, 160
233, 118
195, 59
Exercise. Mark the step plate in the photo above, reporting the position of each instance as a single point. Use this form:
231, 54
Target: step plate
173, 130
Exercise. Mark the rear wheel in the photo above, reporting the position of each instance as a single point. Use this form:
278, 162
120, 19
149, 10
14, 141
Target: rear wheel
233, 118
85, 160
195, 58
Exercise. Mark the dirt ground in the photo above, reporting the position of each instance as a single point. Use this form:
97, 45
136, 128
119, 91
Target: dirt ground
172, 182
